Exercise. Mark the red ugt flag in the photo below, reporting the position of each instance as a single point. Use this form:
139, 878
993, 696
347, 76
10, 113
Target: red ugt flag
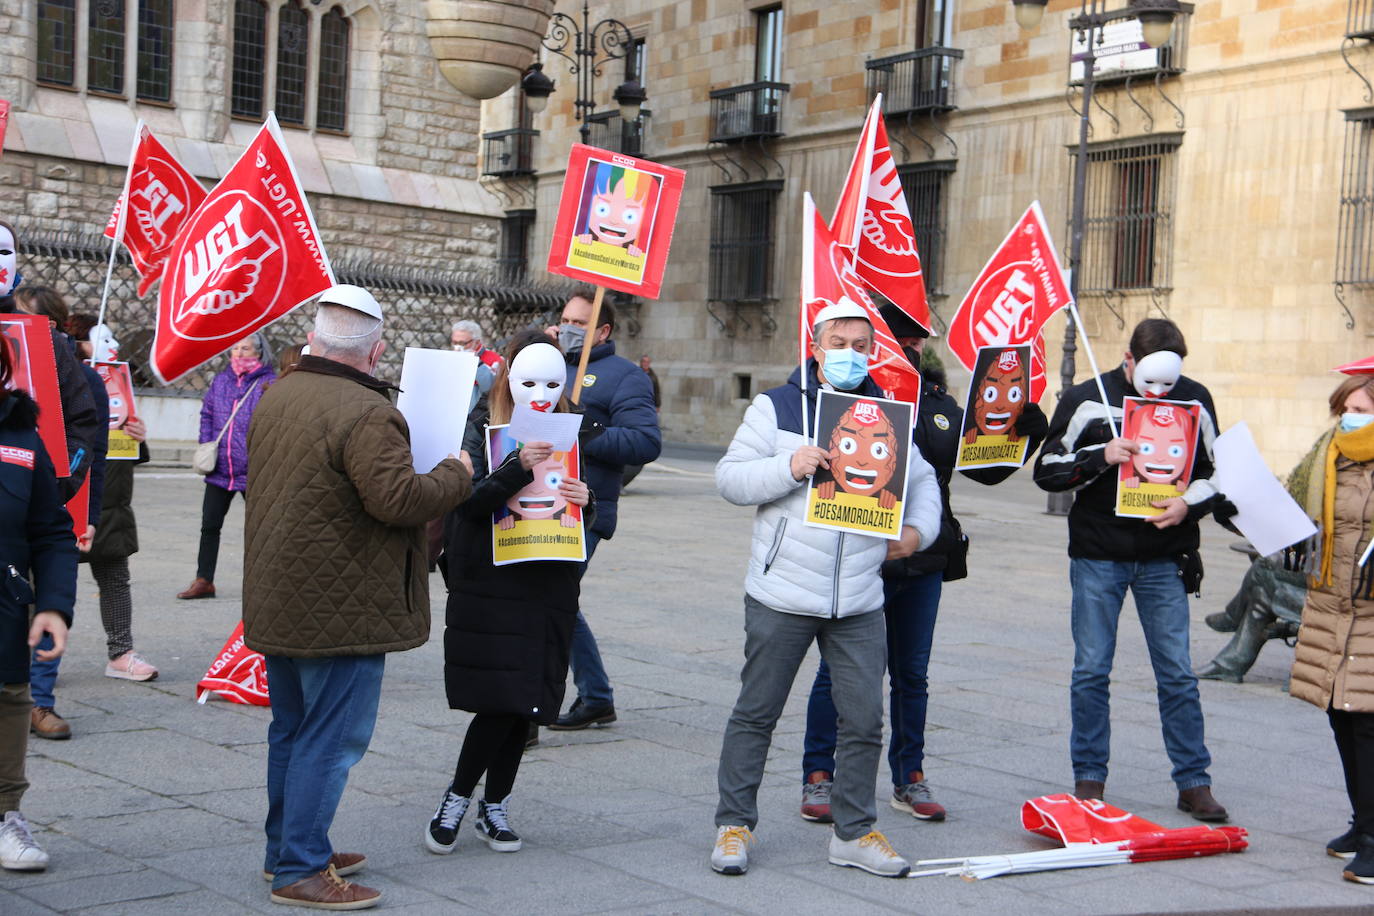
248, 256
828, 278
238, 674
1015, 294
873, 222
161, 196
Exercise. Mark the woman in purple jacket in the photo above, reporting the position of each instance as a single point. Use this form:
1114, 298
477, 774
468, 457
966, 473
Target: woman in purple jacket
245, 378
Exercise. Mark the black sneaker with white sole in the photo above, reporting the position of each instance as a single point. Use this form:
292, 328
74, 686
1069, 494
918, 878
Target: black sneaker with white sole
1361, 868
1343, 846
442, 833
494, 828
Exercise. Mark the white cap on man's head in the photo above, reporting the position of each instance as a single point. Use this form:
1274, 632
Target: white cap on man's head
352, 297
845, 308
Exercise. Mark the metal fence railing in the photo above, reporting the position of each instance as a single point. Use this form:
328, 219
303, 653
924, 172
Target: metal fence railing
420, 304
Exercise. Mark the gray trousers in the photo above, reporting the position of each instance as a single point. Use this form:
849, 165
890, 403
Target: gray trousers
775, 643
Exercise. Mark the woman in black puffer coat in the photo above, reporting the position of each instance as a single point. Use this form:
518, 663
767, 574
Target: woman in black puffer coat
509, 628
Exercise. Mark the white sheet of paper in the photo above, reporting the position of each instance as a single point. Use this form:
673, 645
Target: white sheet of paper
1268, 516
436, 388
557, 429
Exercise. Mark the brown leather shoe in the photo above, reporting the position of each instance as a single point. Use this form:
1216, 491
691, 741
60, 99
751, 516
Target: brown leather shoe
344, 863
327, 891
46, 723
1089, 789
1201, 805
200, 588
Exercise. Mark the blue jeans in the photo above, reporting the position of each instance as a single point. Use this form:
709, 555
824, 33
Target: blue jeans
909, 607
43, 675
589, 674
323, 712
1099, 588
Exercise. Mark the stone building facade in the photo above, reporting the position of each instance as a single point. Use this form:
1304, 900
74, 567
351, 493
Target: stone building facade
1217, 175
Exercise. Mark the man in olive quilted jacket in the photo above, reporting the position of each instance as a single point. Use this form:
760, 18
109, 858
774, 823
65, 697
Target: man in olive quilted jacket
335, 576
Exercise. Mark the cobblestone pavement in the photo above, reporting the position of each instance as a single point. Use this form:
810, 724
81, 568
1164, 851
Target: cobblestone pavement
156, 804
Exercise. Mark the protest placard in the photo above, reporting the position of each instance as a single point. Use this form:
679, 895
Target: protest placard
1265, 513
35, 371
119, 385
864, 489
537, 523
1166, 433
432, 381
997, 396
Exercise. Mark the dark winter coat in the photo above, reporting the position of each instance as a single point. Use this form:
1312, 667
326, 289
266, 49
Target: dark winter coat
509, 628
226, 390
79, 419
618, 395
36, 540
116, 537
334, 559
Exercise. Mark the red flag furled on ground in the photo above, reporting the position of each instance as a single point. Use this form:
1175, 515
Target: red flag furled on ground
872, 220
161, 196
1016, 292
238, 674
248, 256
827, 278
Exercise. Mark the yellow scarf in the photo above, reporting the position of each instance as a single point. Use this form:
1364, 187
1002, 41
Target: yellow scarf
1357, 446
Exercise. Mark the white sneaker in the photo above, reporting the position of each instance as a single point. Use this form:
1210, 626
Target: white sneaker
18, 849
871, 852
731, 855
131, 667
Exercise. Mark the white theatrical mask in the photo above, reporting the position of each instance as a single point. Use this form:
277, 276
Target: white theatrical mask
1156, 375
537, 377
9, 262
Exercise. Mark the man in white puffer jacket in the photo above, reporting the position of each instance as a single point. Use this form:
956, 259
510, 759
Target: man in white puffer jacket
808, 584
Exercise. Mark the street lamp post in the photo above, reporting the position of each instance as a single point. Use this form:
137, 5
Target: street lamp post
1156, 20
591, 47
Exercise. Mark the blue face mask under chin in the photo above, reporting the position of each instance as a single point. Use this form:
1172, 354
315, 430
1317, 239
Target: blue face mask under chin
1353, 421
845, 369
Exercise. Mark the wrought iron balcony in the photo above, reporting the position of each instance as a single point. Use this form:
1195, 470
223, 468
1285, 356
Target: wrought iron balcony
917, 82
1359, 19
508, 153
751, 111
611, 131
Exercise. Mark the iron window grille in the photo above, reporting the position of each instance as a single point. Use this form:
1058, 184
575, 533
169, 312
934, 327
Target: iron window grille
611, 131
250, 59
331, 104
513, 263
742, 241
917, 82
302, 96
508, 153
1359, 19
108, 35
925, 186
1355, 228
1123, 56
293, 45
751, 111
1128, 227
57, 42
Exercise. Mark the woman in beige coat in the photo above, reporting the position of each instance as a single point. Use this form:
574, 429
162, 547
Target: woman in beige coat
1334, 665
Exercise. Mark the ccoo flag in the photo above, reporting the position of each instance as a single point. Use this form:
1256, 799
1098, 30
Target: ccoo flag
1017, 291
161, 195
248, 256
872, 220
829, 278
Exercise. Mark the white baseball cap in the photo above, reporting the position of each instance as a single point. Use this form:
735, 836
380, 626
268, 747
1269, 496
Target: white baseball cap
352, 297
845, 308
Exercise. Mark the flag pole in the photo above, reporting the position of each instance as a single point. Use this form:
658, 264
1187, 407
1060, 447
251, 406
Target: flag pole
1092, 363
123, 204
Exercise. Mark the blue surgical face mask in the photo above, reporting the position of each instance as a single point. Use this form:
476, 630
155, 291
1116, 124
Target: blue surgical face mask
1353, 421
845, 369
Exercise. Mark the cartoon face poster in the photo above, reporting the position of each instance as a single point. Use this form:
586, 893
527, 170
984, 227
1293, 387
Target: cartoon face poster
1166, 432
996, 397
864, 489
615, 221
35, 371
536, 523
119, 385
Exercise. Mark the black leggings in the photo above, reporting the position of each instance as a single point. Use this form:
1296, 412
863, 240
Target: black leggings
493, 745
212, 513
1354, 733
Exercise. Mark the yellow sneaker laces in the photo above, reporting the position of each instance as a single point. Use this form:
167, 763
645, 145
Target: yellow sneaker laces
874, 838
733, 840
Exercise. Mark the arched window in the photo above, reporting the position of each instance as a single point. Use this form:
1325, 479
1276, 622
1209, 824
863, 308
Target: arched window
250, 58
112, 28
105, 47
293, 45
155, 50
331, 108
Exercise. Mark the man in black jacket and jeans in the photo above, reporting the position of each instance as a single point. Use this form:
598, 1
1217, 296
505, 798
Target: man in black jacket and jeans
1109, 555
911, 599
619, 396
